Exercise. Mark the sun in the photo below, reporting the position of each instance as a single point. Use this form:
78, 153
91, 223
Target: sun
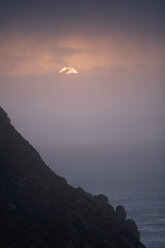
68, 70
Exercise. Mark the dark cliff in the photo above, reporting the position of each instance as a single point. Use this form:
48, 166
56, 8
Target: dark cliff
38, 209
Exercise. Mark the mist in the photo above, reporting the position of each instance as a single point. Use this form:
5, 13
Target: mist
92, 128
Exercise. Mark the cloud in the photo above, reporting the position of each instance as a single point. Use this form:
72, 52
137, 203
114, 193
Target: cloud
68, 51
34, 55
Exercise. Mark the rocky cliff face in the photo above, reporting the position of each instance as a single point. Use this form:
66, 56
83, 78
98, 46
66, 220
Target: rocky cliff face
38, 209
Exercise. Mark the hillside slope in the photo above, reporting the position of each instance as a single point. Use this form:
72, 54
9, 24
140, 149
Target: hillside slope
38, 209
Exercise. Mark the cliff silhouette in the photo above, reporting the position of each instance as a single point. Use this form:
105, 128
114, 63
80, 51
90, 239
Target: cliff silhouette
39, 209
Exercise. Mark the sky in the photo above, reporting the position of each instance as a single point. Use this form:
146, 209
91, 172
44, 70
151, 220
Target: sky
117, 47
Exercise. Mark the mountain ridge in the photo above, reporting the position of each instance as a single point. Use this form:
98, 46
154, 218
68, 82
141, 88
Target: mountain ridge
39, 209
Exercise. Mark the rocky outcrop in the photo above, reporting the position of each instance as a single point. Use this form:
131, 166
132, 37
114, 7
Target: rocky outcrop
39, 209
132, 227
120, 214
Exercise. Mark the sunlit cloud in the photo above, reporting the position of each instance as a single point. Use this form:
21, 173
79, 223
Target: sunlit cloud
31, 56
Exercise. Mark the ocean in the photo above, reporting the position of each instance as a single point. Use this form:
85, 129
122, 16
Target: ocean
132, 178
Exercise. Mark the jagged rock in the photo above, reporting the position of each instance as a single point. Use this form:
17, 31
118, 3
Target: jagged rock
120, 213
48, 212
131, 226
102, 199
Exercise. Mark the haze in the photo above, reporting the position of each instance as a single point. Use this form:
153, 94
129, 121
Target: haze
114, 105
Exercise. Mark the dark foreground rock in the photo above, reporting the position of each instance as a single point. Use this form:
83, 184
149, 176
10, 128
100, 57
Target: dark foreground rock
38, 209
